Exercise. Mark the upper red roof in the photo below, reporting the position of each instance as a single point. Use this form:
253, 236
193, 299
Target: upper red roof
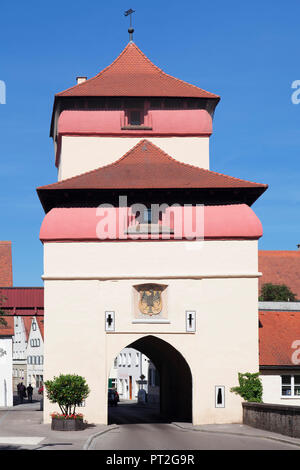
278, 333
133, 74
148, 166
280, 267
6, 278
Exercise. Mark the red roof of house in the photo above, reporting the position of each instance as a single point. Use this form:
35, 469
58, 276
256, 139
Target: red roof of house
133, 74
147, 166
280, 267
6, 278
22, 300
8, 329
278, 334
40, 322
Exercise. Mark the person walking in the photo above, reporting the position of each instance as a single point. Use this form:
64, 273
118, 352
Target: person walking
22, 392
29, 393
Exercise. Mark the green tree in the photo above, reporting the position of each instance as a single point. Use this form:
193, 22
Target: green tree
250, 387
68, 391
276, 293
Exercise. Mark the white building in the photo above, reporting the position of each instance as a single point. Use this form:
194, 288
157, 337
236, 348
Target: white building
35, 354
6, 387
126, 374
279, 348
20, 341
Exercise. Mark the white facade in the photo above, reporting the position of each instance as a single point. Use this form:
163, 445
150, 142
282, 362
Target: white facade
81, 154
216, 279
35, 356
19, 352
281, 387
6, 386
126, 373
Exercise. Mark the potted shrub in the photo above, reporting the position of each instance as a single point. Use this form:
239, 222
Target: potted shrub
68, 391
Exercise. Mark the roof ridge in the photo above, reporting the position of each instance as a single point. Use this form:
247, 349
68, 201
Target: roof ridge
98, 168
174, 160
158, 69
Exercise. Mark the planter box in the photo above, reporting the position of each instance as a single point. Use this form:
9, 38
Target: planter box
59, 424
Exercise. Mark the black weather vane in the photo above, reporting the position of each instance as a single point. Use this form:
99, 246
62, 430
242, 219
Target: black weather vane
130, 30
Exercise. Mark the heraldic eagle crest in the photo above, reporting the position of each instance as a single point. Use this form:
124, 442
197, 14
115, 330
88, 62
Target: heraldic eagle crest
150, 299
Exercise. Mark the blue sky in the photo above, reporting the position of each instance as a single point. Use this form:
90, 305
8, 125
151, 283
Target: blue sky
247, 53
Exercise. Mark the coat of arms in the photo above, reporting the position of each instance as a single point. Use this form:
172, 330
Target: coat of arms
150, 302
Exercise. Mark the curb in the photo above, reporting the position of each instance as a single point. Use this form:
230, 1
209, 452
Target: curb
89, 442
271, 438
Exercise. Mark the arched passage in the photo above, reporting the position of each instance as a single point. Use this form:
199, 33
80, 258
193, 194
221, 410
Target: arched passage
175, 377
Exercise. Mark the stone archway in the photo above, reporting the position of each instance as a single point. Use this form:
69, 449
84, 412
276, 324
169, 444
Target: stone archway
175, 377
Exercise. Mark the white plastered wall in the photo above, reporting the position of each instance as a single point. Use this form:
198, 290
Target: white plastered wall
6, 372
81, 154
271, 382
218, 280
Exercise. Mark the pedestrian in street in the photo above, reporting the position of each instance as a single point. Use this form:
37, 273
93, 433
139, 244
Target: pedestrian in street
29, 393
22, 392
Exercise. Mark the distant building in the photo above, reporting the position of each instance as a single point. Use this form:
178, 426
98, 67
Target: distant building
279, 352
6, 334
24, 306
126, 373
35, 353
280, 267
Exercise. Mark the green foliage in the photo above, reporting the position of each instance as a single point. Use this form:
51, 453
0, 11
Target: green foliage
68, 391
276, 293
250, 387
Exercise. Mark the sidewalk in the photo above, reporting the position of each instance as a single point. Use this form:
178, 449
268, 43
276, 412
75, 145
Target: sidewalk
21, 428
240, 430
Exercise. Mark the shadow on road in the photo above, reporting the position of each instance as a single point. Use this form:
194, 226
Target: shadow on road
135, 413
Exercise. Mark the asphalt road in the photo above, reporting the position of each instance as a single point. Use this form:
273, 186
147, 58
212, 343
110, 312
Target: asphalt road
141, 428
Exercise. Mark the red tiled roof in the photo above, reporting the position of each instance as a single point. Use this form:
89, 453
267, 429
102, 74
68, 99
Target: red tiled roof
280, 267
278, 333
27, 325
147, 166
8, 329
40, 322
6, 278
133, 74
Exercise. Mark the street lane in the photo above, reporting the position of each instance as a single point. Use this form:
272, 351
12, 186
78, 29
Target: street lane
142, 428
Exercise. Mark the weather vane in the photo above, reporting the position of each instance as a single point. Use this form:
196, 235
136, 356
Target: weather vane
130, 30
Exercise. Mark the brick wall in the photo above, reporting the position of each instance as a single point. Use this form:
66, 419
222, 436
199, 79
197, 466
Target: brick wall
6, 278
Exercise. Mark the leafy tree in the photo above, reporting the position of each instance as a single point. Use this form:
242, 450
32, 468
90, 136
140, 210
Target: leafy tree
276, 293
250, 387
68, 391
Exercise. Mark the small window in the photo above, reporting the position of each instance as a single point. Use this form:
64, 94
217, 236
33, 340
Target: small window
135, 118
286, 385
34, 326
290, 386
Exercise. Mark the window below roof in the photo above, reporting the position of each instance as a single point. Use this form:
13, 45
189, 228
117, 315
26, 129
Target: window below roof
135, 120
290, 386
